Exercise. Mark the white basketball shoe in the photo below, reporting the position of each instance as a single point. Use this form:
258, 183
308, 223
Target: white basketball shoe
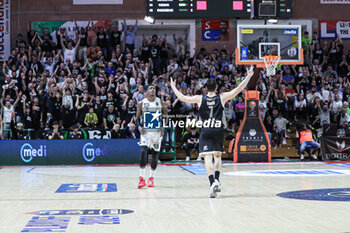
218, 186
213, 190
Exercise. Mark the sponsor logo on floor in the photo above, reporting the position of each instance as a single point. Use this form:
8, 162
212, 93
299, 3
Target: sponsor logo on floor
82, 212
347, 165
58, 220
339, 194
87, 188
195, 169
296, 172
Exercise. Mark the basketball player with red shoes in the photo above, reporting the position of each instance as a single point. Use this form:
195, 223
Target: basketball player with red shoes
149, 119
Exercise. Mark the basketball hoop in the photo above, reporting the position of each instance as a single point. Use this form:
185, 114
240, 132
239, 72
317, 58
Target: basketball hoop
271, 62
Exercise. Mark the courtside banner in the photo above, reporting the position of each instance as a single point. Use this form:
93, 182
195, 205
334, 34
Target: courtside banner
335, 1
90, 133
70, 26
97, 2
5, 35
252, 141
335, 148
65, 152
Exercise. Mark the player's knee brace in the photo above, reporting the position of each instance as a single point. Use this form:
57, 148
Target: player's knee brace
154, 162
144, 155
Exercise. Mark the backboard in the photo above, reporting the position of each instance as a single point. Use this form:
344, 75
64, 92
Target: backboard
256, 41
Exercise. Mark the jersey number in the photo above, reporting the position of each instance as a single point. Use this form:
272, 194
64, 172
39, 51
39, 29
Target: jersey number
211, 111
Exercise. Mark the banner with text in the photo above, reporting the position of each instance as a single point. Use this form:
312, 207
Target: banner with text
68, 25
89, 133
252, 141
335, 1
215, 30
335, 148
330, 29
5, 32
99, 2
59, 152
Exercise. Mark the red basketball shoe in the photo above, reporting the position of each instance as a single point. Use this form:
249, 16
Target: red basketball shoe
142, 182
151, 182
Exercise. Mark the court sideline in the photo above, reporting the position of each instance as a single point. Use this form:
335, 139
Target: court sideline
179, 202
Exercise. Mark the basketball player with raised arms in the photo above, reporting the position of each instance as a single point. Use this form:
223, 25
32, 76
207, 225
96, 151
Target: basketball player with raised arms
211, 140
149, 119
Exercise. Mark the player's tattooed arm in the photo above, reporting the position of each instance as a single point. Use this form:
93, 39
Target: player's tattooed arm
196, 99
230, 95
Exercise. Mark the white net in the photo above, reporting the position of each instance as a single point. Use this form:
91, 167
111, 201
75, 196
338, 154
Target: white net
270, 63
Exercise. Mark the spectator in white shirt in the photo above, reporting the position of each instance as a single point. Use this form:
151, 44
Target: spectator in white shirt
138, 96
281, 124
180, 45
49, 64
325, 92
300, 107
311, 95
8, 114
70, 51
324, 113
263, 106
130, 34
337, 104
335, 92
346, 106
344, 117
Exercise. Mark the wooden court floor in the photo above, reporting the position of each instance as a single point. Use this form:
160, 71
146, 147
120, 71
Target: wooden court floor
179, 202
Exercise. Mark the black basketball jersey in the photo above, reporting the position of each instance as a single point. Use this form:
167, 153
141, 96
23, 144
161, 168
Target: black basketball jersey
211, 109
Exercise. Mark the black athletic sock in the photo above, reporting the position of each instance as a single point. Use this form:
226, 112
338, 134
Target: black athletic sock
211, 179
217, 175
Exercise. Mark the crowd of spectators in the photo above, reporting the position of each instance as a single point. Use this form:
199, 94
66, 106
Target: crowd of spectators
97, 79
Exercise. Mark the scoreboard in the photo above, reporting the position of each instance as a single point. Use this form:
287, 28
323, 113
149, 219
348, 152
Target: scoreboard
198, 8
285, 8
210, 9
